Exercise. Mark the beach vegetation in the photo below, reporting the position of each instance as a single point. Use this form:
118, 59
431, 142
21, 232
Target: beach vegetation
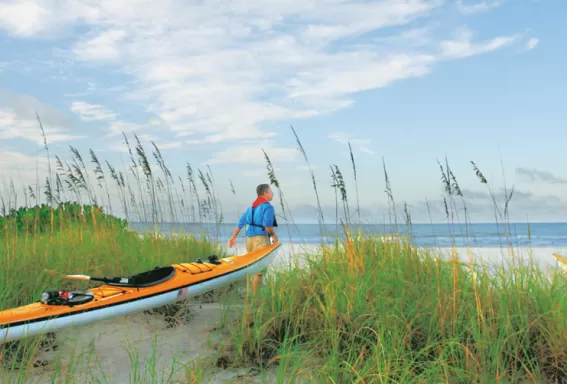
357, 309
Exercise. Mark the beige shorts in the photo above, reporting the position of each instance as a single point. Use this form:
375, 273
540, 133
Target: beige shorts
256, 242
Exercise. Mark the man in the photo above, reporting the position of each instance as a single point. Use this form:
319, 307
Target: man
261, 221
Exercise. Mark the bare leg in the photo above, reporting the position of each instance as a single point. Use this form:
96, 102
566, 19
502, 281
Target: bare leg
253, 243
256, 283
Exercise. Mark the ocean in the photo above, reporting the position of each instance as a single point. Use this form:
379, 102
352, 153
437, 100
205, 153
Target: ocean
423, 235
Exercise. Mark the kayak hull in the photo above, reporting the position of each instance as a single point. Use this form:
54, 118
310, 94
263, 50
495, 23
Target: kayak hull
189, 280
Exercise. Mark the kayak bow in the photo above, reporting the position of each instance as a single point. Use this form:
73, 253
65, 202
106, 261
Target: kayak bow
119, 296
562, 262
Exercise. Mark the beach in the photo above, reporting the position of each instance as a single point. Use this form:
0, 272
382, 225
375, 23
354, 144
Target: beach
111, 350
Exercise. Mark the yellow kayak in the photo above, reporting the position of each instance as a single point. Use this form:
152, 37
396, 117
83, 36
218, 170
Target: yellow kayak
119, 296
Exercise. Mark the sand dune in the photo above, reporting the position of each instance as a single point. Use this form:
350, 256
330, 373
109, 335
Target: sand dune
112, 350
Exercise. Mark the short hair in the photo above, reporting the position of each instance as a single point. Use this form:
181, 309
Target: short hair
262, 188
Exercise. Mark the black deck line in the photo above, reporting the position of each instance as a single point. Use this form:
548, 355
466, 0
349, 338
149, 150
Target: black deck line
23, 322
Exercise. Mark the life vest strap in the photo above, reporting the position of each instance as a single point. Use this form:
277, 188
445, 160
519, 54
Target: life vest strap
261, 226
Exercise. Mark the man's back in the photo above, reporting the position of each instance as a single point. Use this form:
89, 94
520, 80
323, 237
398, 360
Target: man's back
258, 217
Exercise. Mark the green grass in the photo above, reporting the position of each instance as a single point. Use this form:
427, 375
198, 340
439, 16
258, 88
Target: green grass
366, 310
375, 311
96, 250
83, 249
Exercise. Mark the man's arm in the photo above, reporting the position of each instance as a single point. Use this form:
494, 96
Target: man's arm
239, 225
235, 232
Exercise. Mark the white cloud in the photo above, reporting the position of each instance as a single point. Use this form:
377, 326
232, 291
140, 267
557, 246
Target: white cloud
478, 7
12, 127
118, 126
29, 18
23, 18
104, 46
462, 46
92, 112
165, 145
10, 160
252, 154
22, 170
326, 88
19, 119
416, 37
367, 150
218, 71
344, 138
144, 139
532, 43
258, 173
98, 112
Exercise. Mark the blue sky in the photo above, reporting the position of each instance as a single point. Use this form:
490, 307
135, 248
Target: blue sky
408, 81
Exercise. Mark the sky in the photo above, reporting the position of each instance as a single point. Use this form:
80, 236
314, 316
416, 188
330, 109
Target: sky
213, 83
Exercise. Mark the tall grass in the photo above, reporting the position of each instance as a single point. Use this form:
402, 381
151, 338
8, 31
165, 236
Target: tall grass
371, 310
388, 313
67, 229
364, 309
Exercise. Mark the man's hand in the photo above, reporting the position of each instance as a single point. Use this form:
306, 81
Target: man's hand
271, 233
232, 239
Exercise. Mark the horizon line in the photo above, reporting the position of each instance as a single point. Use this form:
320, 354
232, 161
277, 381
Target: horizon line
361, 224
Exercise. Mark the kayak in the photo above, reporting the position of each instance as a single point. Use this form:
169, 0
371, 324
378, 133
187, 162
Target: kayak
561, 261
120, 296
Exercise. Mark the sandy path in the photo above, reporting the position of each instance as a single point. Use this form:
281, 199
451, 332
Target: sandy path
113, 351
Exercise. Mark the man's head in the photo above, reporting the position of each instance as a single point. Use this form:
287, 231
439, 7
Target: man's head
265, 190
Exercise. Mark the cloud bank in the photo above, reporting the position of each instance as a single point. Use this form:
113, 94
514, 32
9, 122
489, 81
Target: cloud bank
219, 71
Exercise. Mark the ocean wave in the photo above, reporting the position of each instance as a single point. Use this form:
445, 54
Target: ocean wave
423, 235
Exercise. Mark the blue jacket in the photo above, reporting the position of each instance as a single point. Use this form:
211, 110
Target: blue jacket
264, 216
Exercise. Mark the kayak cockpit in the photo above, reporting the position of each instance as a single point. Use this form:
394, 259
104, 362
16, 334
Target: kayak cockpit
143, 279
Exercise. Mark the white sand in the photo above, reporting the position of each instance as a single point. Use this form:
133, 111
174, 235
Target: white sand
108, 343
114, 350
494, 256
506, 257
